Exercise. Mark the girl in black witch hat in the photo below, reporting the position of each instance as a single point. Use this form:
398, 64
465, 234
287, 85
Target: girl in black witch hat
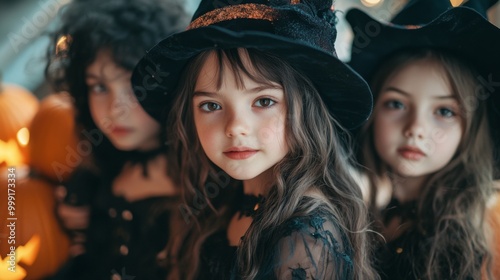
427, 148
255, 91
125, 197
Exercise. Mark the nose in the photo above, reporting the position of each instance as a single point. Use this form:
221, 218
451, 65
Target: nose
120, 104
237, 125
415, 127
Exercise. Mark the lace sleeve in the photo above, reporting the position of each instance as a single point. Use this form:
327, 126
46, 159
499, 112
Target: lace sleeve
311, 247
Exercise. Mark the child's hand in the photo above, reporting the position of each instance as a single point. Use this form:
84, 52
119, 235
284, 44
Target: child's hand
73, 217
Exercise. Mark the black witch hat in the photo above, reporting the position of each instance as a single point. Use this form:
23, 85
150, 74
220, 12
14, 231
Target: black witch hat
427, 24
302, 32
463, 31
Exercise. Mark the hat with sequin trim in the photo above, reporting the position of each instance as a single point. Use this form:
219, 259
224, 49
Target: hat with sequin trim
302, 32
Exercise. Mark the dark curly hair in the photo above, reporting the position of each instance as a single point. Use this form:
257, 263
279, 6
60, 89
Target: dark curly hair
127, 28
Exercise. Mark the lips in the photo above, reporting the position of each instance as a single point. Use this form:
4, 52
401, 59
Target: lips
411, 153
240, 152
120, 130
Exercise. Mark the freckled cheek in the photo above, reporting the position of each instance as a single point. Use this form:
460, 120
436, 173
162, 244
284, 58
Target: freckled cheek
449, 132
385, 133
209, 134
272, 130
99, 112
149, 127
448, 140
383, 123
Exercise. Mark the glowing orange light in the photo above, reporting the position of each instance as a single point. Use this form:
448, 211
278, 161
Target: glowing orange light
27, 254
23, 136
10, 153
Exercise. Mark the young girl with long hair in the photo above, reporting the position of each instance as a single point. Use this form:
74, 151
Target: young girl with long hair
427, 148
125, 198
262, 98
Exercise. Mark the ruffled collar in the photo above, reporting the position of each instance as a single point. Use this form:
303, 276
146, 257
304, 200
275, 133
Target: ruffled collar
407, 211
249, 205
143, 157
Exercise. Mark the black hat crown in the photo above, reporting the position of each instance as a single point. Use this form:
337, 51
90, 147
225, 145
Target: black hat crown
309, 21
301, 32
463, 31
419, 12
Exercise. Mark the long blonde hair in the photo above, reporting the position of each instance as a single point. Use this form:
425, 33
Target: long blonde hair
316, 160
451, 207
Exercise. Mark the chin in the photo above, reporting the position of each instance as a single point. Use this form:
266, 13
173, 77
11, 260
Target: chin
241, 175
410, 174
124, 146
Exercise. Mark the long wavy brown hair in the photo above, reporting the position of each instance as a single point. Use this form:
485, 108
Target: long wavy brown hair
452, 204
317, 160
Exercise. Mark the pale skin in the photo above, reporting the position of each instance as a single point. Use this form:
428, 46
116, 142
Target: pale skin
116, 112
242, 130
417, 129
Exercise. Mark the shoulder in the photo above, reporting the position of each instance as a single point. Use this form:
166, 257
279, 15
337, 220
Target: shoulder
314, 221
312, 246
315, 218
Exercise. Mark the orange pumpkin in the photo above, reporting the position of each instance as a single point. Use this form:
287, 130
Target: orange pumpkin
493, 218
34, 210
54, 147
17, 108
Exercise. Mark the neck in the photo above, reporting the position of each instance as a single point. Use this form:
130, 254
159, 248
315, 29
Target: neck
407, 188
259, 185
150, 146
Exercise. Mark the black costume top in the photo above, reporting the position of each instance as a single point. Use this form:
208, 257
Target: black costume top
303, 247
123, 238
403, 257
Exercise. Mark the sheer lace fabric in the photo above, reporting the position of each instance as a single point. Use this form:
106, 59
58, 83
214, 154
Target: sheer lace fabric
307, 247
311, 247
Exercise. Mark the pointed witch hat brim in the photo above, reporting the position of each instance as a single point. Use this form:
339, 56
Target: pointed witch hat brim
461, 31
292, 32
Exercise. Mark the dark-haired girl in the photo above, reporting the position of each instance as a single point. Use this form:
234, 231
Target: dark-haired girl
125, 197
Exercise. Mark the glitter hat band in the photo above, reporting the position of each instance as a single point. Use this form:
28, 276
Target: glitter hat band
242, 11
300, 32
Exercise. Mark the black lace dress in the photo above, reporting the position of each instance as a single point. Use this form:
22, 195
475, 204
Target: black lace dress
307, 247
123, 238
394, 259
403, 257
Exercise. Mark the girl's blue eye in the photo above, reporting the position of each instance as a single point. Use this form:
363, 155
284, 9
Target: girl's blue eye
210, 107
446, 112
394, 104
264, 102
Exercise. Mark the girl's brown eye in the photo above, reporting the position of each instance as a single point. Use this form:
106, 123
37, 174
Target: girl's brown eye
264, 102
210, 107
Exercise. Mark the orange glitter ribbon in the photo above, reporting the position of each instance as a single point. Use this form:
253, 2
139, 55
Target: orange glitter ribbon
243, 11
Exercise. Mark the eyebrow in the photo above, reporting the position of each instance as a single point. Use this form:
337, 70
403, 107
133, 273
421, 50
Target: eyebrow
400, 91
251, 90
